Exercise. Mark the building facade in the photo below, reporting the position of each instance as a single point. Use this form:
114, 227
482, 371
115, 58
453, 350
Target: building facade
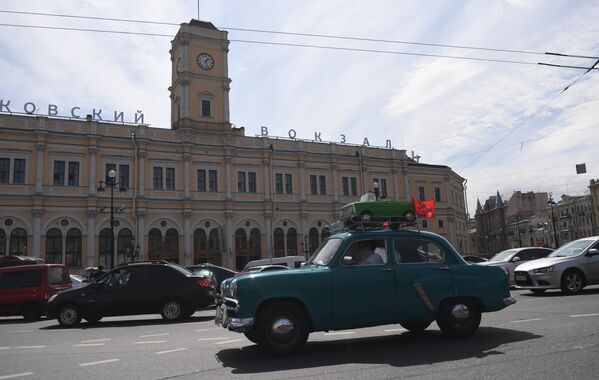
594, 194
491, 226
199, 191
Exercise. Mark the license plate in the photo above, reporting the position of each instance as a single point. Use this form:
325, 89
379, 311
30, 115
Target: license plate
520, 277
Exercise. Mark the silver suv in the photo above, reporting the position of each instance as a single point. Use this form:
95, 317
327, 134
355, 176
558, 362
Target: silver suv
569, 268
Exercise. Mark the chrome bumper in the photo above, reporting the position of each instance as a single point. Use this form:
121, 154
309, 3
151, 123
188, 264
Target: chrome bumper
507, 301
223, 319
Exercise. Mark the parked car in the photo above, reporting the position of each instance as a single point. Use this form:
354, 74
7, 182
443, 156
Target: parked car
25, 289
569, 268
221, 273
288, 261
474, 259
509, 259
368, 209
262, 268
135, 288
13, 260
339, 288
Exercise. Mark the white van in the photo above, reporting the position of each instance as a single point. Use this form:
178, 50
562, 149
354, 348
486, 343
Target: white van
288, 261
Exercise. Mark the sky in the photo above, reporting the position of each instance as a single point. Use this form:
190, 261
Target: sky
491, 113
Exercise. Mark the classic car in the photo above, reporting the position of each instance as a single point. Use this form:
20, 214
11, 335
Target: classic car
370, 209
417, 278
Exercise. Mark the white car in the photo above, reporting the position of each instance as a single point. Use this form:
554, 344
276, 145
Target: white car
569, 268
509, 259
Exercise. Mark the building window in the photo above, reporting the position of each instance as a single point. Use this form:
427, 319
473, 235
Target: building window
421, 193
288, 184
212, 181
322, 182
313, 185
73, 175
206, 108
440, 223
382, 186
350, 186
318, 184
59, 173
283, 183
18, 171
54, 246
170, 178
73, 248
18, 242
437, 194
278, 183
246, 182
122, 174
157, 180
207, 183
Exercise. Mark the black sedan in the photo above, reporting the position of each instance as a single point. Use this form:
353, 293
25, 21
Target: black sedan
220, 273
136, 288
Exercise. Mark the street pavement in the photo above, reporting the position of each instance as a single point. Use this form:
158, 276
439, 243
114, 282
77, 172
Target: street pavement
549, 337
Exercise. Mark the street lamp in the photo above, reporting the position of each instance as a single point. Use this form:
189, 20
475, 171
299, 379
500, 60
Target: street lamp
518, 226
552, 203
375, 186
119, 210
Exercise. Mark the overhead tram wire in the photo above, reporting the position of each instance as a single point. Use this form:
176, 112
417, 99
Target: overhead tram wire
363, 39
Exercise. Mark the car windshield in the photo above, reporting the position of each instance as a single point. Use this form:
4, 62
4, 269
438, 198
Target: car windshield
573, 248
503, 256
325, 252
58, 276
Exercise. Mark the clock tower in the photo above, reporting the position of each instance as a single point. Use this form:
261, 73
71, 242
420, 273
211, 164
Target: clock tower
200, 84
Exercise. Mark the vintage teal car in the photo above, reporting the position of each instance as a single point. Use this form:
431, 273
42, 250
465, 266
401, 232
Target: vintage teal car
364, 278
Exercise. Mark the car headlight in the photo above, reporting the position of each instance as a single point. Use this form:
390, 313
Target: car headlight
233, 289
544, 270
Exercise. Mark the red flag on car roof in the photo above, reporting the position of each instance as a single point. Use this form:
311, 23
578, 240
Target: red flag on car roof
424, 208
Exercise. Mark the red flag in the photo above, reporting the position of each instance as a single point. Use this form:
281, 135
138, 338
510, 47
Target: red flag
424, 208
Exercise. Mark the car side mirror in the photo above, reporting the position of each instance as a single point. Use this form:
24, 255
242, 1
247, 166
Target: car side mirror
593, 252
516, 258
349, 260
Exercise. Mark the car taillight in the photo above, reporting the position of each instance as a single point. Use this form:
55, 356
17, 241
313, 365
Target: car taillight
205, 283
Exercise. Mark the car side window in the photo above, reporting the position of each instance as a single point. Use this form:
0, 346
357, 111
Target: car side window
366, 252
524, 255
410, 250
116, 278
539, 253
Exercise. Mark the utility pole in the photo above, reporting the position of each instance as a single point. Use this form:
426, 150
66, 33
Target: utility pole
552, 203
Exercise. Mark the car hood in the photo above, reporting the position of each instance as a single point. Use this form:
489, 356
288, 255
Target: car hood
544, 262
494, 263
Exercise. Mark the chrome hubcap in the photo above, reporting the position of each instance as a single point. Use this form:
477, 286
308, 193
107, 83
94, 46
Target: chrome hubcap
573, 282
282, 326
68, 316
460, 312
171, 310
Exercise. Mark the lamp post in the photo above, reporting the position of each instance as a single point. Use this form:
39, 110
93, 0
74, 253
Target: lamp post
552, 203
111, 183
518, 227
375, 186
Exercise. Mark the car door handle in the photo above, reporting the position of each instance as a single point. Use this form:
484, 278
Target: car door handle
386, 269
444, 268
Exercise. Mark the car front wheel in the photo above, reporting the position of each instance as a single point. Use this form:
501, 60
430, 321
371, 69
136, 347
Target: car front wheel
459, 318
281, 328
572, 282
69, 315
172, 310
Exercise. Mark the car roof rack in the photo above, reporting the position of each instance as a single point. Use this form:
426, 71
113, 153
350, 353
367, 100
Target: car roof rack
144, 262
357, 224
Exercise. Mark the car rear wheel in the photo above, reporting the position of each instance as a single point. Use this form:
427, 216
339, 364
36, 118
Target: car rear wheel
572, 282
69, 315
459, 317
172, 310
415, 327
281, 328
32, 312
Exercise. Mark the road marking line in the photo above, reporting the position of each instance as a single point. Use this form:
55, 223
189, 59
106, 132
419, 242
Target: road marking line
17, 375
169, 351
527, 320
4, 348
19, 331
340, 333
394, 330
229, 341
96, 340
225, 338
147, 336
151, 342
89, 344
218, 328
100, 362
584, 315
30, 347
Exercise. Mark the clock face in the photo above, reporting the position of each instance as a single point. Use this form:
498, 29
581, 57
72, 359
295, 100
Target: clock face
179, 66
205, 61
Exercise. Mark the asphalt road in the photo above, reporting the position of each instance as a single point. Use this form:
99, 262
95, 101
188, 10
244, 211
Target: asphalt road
541, 337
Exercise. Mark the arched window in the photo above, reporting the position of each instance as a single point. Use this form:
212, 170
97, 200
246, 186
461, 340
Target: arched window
124, 245
241, 249
313, 240
255, 246
200, 255
2, 242
104, 248
325, 234
171, 243
214, 250
73, 248
18, 242
279, 243
54, 246
155, 244
291, 242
